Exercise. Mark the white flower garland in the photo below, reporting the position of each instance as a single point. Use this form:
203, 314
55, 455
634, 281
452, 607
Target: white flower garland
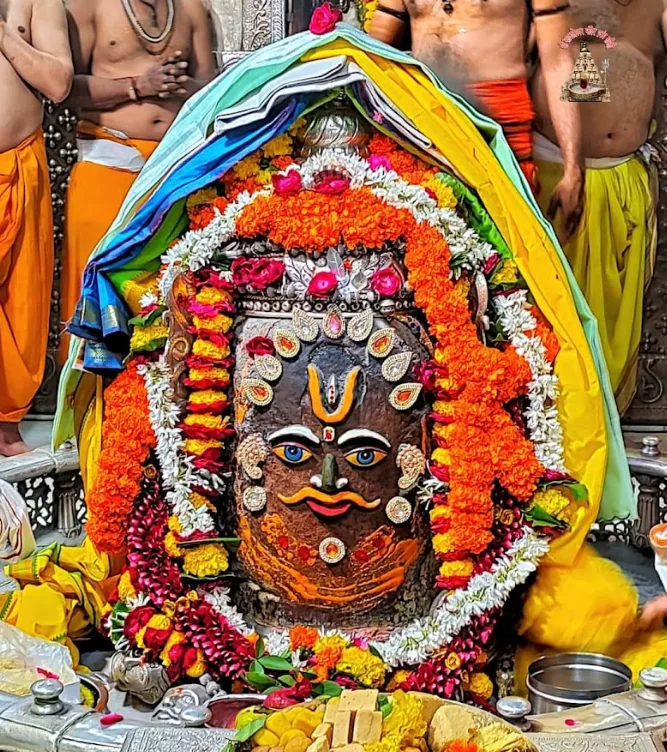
422, 638
179, 476
515, 319
197, 248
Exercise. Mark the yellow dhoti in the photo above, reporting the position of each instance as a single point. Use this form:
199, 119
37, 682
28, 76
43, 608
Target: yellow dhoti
26, 274
612, 253
108, 164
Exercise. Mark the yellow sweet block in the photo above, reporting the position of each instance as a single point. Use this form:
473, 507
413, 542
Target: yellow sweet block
324, 729
367, 726
298, 744
358, 699
305, 720
278, 723
321, 744
290, 734
265, 738
341, 728
331, 709
354, 747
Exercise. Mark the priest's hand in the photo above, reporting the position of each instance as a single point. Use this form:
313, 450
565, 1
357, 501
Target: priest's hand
653, 615
567, 200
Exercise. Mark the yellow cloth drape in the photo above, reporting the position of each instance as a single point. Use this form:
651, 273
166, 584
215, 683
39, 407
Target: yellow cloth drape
579, 599
26, 274
455, 135
64, 591
590, 607
612, 256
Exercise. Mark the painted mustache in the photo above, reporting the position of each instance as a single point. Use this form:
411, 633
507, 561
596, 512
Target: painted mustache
329, 505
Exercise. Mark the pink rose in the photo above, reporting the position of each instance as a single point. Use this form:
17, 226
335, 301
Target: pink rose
260, 346
332, 184
376, 161
324, 19
491, 263
322, 284
284, 184
386, 282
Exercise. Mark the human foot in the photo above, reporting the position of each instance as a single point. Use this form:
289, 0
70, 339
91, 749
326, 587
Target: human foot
11, 443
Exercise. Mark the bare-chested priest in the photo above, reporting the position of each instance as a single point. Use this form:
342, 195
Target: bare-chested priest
482, 48
35, 60
613, 250
136, 62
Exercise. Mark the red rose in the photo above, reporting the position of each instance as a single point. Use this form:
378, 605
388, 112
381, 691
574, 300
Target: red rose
154, 639
267, 272
332, 185
137, 620
283, 185
324, 19
386, 282
257, 273
260, 346
322, 284
242, 271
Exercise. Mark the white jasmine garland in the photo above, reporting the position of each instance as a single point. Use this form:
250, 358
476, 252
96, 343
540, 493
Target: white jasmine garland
450, 613
546, 433
421, 638
179, 476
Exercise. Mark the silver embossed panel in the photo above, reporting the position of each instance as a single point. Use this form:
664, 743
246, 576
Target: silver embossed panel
177, 740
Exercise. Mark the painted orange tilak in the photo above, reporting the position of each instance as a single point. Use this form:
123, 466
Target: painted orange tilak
346, 402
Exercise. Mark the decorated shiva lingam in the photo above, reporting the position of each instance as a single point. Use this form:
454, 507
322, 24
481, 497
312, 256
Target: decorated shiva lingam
330, 429
312, 512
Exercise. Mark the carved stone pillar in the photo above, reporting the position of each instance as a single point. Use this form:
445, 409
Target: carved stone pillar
650, 404
649, 468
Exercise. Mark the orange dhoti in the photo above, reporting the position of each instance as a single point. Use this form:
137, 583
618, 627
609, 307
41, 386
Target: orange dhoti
26, 274
509, 104
109, 163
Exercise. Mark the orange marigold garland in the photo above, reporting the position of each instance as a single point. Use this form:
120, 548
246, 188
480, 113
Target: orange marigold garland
127, 439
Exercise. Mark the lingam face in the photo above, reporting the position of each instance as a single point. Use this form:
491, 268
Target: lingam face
328, 468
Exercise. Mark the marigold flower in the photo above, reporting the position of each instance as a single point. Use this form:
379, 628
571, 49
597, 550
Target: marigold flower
459, 568
127, 439
206, 560
444, 195
481, 685
278, 146
365, 667
247, 167
506, 274
199, 446
203, 196
218, 323
554, 502
210, 295
303, 637
206, 349
453, 662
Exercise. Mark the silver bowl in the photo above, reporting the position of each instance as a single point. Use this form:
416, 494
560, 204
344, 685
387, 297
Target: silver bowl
569, 680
